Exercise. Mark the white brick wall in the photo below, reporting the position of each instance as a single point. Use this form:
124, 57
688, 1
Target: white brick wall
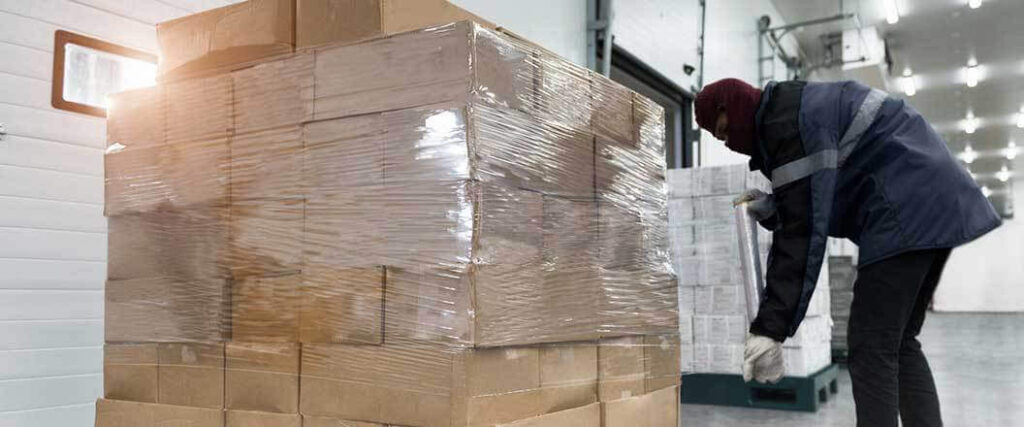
53, 234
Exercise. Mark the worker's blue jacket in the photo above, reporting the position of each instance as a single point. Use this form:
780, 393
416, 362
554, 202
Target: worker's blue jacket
848, 161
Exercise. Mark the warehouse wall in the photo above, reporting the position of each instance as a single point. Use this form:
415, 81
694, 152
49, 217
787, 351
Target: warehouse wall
53, 234
987, 274
559, 25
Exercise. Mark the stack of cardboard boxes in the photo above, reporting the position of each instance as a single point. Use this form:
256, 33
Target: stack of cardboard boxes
712, 301
842, 274
439, 227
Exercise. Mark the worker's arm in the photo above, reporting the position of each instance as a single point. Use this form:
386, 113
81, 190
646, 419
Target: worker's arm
800, 235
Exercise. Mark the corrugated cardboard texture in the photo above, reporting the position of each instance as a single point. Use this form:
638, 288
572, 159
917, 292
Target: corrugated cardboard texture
657, 409
620, 368
129, 372
225, 37
262, 377
568, 375
274, 94
350, 21
191, 374
261, 419
114, 413
342, 306
661, 362
414, 69
265, 308
188, 309
418, 384
406, 385
585, 416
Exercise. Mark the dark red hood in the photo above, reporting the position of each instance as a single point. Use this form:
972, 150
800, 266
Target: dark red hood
740, 102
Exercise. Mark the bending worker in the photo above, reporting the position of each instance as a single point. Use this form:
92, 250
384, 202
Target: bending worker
848, 161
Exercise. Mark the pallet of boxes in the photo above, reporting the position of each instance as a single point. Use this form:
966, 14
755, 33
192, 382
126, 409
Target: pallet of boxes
368, 213
712, 303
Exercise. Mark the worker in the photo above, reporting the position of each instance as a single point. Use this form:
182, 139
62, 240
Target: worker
849, 161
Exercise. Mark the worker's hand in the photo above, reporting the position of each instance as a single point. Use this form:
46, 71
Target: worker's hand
761, 207
762, 360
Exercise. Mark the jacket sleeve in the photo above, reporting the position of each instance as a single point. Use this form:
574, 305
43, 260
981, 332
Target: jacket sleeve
803, 204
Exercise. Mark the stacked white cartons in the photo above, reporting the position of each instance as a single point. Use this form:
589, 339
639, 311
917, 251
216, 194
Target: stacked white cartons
713, 319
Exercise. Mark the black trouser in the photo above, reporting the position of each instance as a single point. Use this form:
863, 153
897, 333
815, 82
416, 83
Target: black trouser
889, 372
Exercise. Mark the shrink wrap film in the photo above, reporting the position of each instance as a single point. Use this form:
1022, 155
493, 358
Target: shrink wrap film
423, 229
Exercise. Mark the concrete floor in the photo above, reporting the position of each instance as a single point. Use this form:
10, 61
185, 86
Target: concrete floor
977, 361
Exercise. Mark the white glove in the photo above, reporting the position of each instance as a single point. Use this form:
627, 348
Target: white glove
760, 205
762, 360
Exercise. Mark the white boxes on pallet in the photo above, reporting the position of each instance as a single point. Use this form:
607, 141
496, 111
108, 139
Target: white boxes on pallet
712, 302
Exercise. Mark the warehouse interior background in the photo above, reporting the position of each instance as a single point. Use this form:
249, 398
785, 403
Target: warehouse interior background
962, 66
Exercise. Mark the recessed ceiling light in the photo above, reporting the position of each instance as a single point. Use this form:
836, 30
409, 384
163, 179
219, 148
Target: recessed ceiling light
974, 4
1004, 174
972, 73
986, 191
1011, 151
971, 124
892, 11
969, 155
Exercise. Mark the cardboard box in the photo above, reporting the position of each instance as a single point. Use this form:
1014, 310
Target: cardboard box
226, 37
350, 21
568, 375
191, 374
342, 306
266, 237
199, 109
428, 304
134, 179
274, 94
620, 368
402, 385
166, 309
421, 384
262, 377
130, 372
661, 362
409, 70
115, 413
656, 409
584, 416
185, 243
267, 164
613, 109
266, 308
344, 181
261, 419
308, 421
135, 118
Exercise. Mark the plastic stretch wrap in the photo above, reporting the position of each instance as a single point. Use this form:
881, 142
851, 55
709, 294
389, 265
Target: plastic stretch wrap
443, 227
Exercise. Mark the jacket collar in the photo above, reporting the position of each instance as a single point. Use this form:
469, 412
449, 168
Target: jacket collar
757, 160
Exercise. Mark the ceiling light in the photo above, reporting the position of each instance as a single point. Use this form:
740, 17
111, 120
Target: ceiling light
1003, 174
971, 124
1011, 151
972, 73
969, 155
1020, 118
892, 11
986, 191
974, 4
909, 86
907, 72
